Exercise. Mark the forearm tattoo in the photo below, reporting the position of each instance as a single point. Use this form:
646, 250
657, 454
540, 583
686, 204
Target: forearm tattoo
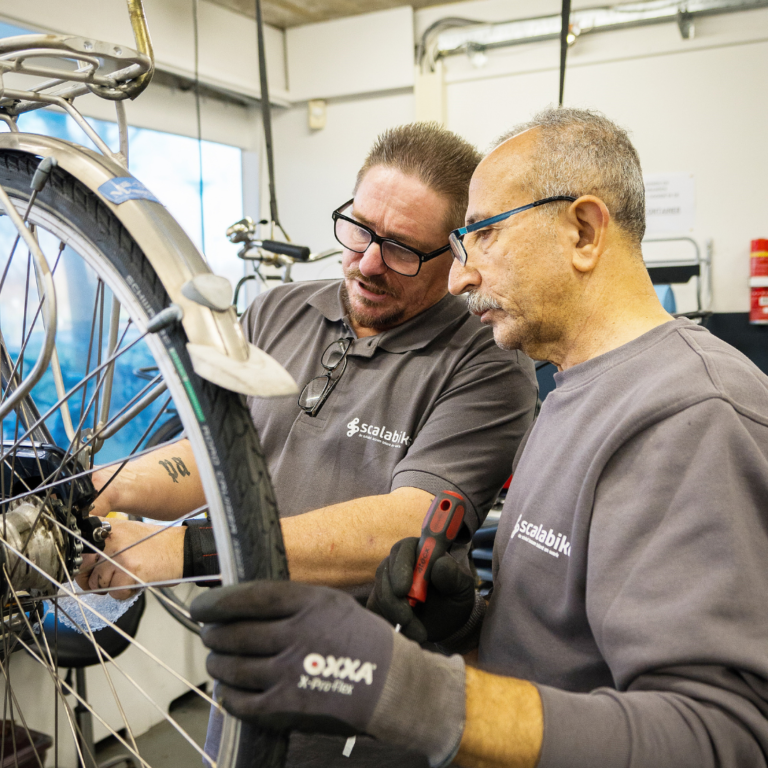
180, 470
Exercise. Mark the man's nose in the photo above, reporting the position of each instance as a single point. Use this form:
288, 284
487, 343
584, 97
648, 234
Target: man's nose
371, 262
462, 278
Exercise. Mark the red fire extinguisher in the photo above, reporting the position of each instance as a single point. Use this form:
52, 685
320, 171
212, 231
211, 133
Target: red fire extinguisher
758, 282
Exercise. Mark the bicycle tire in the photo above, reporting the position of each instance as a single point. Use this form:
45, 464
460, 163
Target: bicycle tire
231, 457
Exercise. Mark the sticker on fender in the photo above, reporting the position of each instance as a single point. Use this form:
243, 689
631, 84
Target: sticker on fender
125, 188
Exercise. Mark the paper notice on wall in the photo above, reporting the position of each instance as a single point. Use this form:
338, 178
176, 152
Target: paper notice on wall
669, 203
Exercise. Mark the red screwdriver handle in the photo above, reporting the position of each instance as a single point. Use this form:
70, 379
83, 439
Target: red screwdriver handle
438, 531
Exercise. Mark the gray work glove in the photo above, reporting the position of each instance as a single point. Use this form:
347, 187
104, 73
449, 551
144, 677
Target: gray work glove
301, 657
450, 595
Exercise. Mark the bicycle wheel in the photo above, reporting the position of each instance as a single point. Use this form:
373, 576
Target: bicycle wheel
100, 273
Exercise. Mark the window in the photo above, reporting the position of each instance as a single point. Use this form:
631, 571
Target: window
169, 166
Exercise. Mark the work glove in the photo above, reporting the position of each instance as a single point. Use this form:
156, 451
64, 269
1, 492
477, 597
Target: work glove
450, 595
301, 657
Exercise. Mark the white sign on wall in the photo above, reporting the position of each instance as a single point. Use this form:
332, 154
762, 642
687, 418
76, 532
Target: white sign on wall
669, 203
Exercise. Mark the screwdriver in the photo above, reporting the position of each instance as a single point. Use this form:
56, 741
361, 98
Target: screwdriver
438, 531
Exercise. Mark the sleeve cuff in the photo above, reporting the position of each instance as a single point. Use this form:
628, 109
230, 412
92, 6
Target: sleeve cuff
582, 730
467, 638
200, 556
422, 706
434, 484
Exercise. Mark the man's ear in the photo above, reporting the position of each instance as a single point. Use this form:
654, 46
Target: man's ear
588, 218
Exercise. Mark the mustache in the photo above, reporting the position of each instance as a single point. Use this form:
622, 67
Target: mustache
477, 303
373, 283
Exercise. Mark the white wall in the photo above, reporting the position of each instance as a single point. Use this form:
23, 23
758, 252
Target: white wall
316, 170
695, 106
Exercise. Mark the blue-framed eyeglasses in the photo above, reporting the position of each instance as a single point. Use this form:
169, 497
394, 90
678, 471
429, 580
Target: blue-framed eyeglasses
456, 238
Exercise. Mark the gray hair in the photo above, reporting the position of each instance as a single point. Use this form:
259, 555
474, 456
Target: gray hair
582, 152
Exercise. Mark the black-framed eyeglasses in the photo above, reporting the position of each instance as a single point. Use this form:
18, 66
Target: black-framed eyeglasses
398, 257
456, 238
317, 390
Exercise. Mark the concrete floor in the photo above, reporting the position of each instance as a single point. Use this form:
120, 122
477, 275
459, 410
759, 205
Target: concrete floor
162, 746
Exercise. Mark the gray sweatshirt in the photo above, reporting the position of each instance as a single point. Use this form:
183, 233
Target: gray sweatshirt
631, 563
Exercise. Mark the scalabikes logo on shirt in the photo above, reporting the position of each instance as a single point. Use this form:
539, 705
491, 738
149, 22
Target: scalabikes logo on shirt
548, 541
378, 433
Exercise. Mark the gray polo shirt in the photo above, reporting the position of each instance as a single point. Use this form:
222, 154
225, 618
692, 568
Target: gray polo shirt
431, 404
631, 562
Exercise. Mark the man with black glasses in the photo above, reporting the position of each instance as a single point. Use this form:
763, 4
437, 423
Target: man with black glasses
404, 392
627, 625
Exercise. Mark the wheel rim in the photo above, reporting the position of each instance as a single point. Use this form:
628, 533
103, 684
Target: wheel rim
52, 228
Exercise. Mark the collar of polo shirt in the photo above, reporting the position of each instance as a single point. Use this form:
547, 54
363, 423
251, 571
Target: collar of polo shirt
415, 333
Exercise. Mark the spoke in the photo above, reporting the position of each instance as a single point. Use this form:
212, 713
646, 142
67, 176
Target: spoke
138, 687
135, 452
100, 381
114, 626
102, 654
72, 692
83, 411
149, 585
160, 529
34, 637
12, 376
32, 199
114, 326
99, 653
85, 472
139, 583
76, 388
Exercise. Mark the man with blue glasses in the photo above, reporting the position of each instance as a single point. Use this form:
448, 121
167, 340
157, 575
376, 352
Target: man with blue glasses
403, 394
627, 624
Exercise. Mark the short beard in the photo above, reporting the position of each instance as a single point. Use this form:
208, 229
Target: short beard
372, 320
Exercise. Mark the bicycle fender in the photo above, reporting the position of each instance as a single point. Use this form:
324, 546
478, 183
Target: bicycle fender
217, 346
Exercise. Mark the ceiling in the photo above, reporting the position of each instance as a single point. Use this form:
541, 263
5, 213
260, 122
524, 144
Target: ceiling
292, 13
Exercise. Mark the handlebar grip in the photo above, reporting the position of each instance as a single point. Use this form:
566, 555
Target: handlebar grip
297, 252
